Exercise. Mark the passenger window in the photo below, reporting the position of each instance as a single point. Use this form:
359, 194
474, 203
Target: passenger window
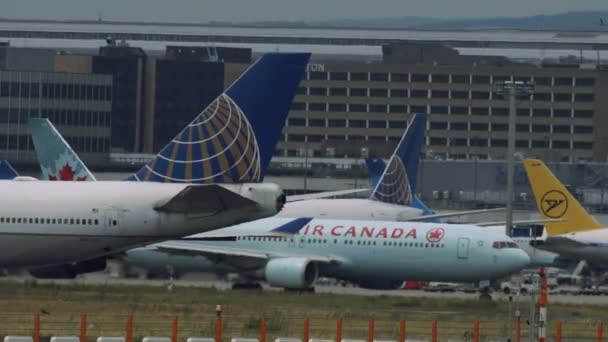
90, 222
1, 219
77, 221
19, 220
96, 222
59, 221
114, 222
13, 220
53, 221
71, 221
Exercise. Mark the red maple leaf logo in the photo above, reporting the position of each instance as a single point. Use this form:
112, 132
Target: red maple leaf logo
435, 235
67, 174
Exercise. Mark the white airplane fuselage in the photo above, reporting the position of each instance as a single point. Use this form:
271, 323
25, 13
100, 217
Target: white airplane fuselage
591, 246
49, 223
349, 209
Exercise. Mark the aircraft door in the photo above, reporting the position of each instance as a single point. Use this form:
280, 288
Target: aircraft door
301, 241
111, 221
463, 247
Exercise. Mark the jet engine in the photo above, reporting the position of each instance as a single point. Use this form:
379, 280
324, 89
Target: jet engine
69, 271
291, 273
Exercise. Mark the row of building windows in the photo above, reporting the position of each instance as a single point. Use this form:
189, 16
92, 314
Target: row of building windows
57, 116
500, 127
56, 91
441, 94
79, 143
40, 220
484, 142
302, 122
454, 110
446, 78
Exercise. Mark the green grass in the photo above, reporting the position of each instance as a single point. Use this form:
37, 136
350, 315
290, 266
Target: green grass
108, 306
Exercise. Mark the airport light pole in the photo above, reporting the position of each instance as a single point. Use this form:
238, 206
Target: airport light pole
512, 90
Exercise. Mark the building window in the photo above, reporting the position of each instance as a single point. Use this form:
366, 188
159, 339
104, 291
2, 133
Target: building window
397, 109
337, 92
481, 79
338, 76
357, 108
316, 107
543, 81
500, 111
316, 122
561, 129
479, 142
563, 81
358, 76
561, 144
419, 93
500, 127
475, 126
562, 113
522, 128
398, 92
540, 143
498, 142
460, 94
355, 137
459, 126
583, 113
377, 124
375, 108
500, 78
379, 76
439, 125
541, 112
337, 107
315, 138
297, 137
317, 75
523, 111
437, 141
317, 91
296, 122
583, 145
358, 91
584, 97
356, 123
418, 109
461, 79
440, 78
540, 128
542, 96
378, 92
397, 124
440, 94
423, 78
399, 77
439, 109
458, 142
562, 97
584, 81
480, 111
336, 123
522, 144
455, 110
298, 106
583, 129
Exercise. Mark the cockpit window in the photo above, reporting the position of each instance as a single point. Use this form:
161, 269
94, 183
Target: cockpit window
504, 244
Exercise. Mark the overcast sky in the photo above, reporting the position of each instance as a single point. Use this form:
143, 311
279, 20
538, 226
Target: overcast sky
252, 10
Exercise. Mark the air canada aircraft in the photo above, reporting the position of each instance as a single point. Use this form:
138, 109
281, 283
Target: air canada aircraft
570, 231
65, 228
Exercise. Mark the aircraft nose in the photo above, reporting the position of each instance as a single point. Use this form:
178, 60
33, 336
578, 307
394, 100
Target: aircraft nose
518, 259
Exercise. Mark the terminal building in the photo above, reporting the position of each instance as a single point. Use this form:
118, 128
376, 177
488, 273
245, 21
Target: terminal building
360, 109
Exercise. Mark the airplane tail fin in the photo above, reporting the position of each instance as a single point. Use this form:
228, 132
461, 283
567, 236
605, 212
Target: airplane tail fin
397, 185
7, 171
58, 161
555, 202
234, 138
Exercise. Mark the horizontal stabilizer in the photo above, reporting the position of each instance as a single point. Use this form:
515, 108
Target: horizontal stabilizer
503, 223
204, 199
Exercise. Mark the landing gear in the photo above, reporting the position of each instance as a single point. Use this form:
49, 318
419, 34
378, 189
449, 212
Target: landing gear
247, 286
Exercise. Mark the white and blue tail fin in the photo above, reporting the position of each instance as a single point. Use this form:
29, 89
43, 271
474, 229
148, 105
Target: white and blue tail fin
58, 161
234, 138
397, 184
7, 171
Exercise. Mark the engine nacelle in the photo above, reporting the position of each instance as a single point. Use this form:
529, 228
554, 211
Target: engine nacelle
69, 271
291, 273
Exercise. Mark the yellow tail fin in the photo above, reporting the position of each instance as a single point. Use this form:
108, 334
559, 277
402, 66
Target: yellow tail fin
554, 201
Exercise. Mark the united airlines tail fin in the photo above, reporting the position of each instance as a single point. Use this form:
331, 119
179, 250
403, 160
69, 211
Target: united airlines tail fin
58, 161
233, 139
397, 185
6, 170
564, 214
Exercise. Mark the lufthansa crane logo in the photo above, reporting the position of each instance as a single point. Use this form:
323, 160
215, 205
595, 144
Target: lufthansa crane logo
435, 235
554, 204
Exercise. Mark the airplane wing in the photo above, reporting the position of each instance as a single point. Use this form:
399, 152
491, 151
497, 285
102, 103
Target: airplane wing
498, 223
204, 199
200, 249
324, 194
561, 242
458, 213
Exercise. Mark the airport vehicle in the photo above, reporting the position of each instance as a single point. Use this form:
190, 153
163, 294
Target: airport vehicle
69, 227
570, 231
373, 254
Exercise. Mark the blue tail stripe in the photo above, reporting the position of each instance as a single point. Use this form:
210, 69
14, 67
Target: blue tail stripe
292, 227
7, 171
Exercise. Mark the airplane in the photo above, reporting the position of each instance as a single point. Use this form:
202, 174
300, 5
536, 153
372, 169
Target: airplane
373, 254
63, 228
570, 231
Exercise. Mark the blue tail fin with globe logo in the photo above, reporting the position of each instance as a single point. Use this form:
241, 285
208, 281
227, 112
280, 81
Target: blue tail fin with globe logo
233, 139
397, 184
